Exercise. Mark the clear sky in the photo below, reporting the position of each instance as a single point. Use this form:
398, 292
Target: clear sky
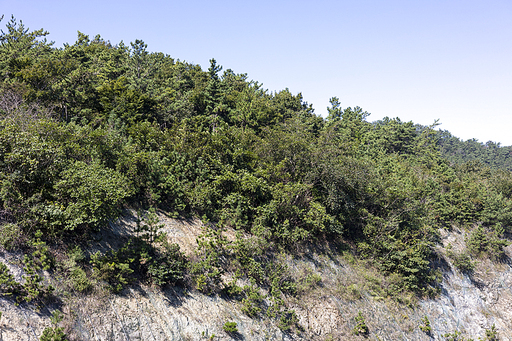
419, 60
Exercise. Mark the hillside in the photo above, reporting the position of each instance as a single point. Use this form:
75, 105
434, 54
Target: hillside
490, 153
134, 182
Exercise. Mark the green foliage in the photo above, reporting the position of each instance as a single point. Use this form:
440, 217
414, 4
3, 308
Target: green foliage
230, 328
113, 268
287, 320
8, 285
10, 236
33, 288
308, 282
74, 271
360, 328
147, 228
168, 267
461, 260
455, 336
425, 327
92, 126
459, 151
54, 333
91, 194
251, 303
352, 292
41, 254
19, 47
487, 243
138, 259
491, 334
206, 269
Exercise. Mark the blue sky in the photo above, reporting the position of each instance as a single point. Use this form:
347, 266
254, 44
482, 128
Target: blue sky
417, 60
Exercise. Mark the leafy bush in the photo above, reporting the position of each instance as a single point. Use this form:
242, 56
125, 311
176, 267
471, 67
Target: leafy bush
139, 260
425, 327
230, 328
10, 236
360, 328
352, 292
113, 268
206, 269
147, 228
487, 243
76, 275
462, 261
79, 279
251, 303
53, 334
8, 285
41, 254
491, 334
455, 336
33, 288
91, 194
308, 282
287, 320
168, 267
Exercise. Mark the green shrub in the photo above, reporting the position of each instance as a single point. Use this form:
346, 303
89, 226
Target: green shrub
79, 279
112, 268
487, 243
10, 236
8, 286
230, 328
231, 289
41, 255
352, 291
32, 288
91, 194
140, 260
462, 261
75, 274
251, 303
309, 281
148, 226
425, 327
287, 320
455, 336
491, 334
167, 267
360, 328
206, 269
53, 334
280, 279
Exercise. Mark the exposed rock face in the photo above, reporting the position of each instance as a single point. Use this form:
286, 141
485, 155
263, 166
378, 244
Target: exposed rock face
468, 305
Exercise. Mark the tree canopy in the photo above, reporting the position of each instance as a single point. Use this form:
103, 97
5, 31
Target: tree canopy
93, 127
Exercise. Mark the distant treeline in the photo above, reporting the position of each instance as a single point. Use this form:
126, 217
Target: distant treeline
490, 153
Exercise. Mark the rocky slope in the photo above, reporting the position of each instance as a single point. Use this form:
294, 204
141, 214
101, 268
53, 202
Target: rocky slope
467, 304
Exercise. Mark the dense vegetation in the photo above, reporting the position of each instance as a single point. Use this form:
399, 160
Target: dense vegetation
490, 153
91, 128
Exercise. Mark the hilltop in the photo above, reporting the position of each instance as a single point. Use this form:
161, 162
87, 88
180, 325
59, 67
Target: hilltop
299, 226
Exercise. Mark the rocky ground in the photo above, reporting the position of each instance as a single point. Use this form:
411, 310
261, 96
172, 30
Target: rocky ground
469, 305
